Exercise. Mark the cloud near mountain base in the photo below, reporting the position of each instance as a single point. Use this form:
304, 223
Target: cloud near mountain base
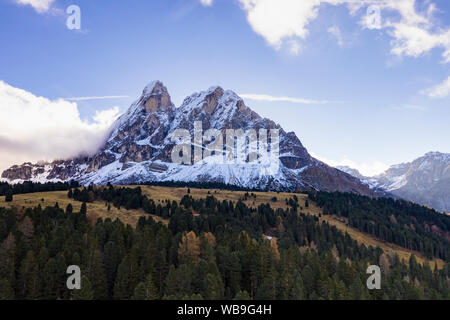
35, 128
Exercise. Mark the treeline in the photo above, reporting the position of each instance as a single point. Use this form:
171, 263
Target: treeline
198, 185
404, 223
30, 187
128, 198
210, 249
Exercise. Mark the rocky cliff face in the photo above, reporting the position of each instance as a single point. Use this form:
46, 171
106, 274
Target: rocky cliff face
140, 143
425, 180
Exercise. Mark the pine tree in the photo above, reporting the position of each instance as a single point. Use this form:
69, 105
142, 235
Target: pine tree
242, 295
49, 283
69, 208
171, 285
6, 291
83, 209
140, 292
85, 293
214, 287
122, 283
97, 276
9, 196
296, 292
146, 290
29, 284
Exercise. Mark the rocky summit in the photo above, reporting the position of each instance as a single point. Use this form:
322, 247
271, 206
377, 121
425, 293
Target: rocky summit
139, 145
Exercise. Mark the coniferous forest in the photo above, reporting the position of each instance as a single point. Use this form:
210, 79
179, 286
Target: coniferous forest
404, 223
212, 249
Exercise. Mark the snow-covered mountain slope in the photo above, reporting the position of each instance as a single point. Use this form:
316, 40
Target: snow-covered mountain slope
140, 143
351, 171
425, 180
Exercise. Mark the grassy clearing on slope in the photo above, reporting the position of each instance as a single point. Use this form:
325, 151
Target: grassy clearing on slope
95, 210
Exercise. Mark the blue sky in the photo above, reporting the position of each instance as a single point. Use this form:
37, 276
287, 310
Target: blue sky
357, 94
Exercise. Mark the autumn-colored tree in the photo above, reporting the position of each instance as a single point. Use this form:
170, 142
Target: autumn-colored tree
274, 249
211, 239
189, 248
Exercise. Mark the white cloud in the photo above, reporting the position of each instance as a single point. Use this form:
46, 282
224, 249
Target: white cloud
413, 32
265, 97
39, 5
35, 128
106, 118
335, 31
414, 41
277, 20
206, 3
94, 98
368, 169
441, 90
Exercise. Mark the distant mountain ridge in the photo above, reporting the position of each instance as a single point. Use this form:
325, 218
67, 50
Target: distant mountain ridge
139, 145
426, 180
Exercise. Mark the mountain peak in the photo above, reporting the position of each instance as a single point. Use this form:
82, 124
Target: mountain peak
351, 171
212, 100
154, 86
155, 97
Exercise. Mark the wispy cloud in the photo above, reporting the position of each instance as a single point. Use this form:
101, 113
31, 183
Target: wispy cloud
40, 6
265, 97
441, 90
94, 98
412, 107
336, 32
294, 47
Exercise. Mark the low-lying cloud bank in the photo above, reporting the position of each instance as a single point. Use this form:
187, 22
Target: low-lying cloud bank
35, 128
368, 169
